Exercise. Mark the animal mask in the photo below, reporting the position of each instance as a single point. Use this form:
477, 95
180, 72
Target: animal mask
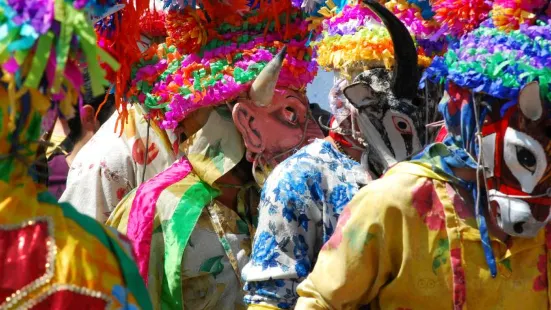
274, 120
516, 156
391, 111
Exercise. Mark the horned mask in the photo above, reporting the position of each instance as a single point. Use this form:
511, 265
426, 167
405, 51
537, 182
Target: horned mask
516, 157
392, 112
274, 121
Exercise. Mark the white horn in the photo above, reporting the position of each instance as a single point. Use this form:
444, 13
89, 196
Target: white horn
530, 101
263, 87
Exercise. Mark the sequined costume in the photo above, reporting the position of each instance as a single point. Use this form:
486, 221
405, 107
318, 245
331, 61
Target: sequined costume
51, 256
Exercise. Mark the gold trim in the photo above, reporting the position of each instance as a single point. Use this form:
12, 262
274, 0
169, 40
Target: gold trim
16, 297
66, 287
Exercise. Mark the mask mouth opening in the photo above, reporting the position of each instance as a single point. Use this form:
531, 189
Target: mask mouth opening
516, 218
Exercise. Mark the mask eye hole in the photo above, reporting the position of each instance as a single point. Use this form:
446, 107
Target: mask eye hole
402, 125
290, 115
526, 159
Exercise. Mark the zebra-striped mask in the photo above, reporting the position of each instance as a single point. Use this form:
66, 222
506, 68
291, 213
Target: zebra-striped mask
391, 111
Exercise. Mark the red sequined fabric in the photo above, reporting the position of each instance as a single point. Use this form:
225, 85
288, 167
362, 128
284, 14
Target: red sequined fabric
23, 256
65, 299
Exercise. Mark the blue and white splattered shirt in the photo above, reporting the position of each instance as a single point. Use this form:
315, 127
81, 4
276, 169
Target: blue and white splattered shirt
300, 205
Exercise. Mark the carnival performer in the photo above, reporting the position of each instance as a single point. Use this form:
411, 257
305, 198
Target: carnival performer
201, 238
246, 68
305, 195
80, 129
51, 256
123, 153
463, 224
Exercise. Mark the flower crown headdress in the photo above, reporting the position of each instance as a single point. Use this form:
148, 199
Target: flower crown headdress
355, 39
215, 51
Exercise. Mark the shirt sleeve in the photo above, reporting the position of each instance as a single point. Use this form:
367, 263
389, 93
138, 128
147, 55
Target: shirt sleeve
356, 261
96, 185
283, 250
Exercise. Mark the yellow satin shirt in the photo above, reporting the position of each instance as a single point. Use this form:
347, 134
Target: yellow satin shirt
407, 241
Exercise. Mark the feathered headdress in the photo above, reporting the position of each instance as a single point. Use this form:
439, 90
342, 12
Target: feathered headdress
226, 47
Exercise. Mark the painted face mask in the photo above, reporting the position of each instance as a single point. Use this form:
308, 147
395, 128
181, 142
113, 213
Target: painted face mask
259, 78
391, 111
515, 144
274, 121
342, 126
496, 111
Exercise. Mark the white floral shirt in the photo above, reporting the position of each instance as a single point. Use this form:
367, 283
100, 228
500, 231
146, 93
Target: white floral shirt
111, 165
300, 205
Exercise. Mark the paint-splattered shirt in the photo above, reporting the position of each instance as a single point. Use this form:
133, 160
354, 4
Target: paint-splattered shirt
301, 202
408, 241
111, 165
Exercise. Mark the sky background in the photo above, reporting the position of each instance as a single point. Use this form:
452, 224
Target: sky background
318, 90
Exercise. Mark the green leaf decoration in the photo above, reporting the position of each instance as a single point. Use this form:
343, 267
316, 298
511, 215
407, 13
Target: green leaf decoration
442, 251
358, 239
224, 112
213, 265
242, 227
216, 154
436, 264
507, 264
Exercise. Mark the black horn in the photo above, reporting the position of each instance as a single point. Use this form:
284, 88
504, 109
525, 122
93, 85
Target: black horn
405, 80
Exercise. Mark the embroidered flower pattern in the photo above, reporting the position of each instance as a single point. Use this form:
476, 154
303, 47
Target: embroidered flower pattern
264, 250
458, 202
139, 151
340, 197
441, 254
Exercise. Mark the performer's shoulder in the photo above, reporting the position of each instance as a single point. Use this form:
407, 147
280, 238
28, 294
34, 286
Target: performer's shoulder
397, 191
